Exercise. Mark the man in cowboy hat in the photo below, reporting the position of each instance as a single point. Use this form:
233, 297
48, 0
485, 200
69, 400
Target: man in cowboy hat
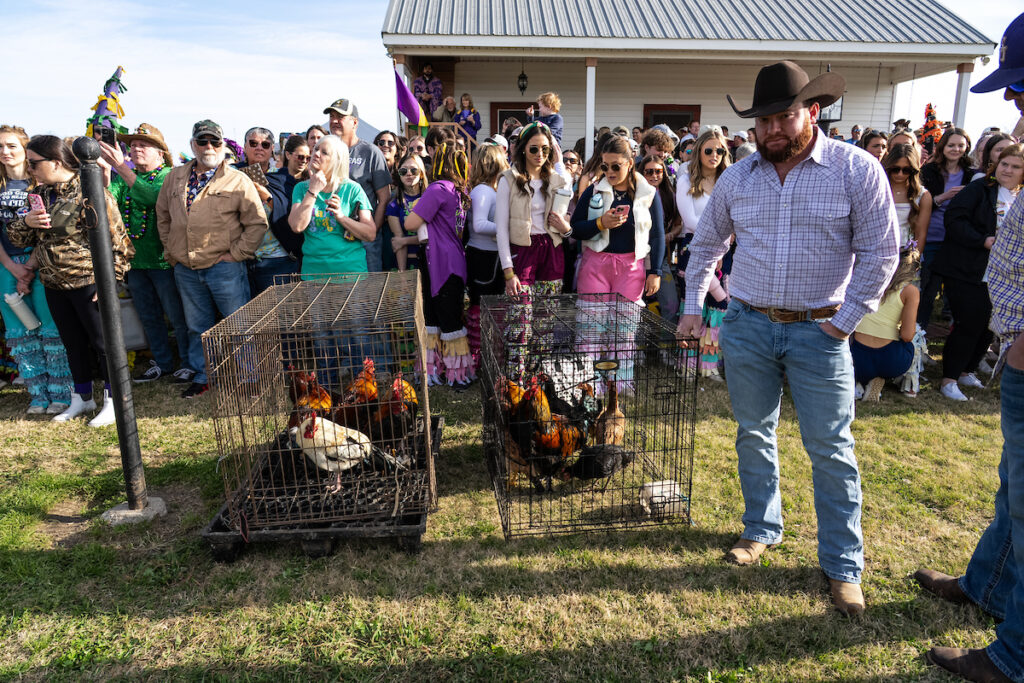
817, 240
994, 580
150, 280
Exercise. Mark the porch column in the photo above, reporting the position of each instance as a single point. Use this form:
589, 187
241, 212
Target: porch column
963, 86
588, 134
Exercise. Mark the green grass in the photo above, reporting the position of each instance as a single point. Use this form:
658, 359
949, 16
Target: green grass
84, 601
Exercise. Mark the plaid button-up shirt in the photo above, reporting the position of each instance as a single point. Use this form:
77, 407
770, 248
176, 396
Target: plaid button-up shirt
1005, 273
828, 236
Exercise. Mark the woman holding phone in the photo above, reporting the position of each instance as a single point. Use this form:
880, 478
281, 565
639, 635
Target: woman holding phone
333, 212
39, 353
60, 244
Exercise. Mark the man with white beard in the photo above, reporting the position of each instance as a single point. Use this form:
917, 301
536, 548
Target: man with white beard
211, 221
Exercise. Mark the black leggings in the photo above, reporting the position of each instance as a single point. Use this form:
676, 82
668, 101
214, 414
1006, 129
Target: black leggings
485, 274
443, 311
970, 336
77, 318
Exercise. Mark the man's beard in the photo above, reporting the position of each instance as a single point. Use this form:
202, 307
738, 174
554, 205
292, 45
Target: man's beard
209, 160
794, 147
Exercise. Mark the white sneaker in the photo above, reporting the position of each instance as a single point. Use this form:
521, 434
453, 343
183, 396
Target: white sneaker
77, 407
970, 380
714, 376
952, 391
106, 415
56, 408
983, 366
35, 410
858, 391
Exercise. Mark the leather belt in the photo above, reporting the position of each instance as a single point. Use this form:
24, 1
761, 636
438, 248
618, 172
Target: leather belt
783, 315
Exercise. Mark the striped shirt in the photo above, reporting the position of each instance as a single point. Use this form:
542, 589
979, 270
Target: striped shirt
828, 236
1005, 273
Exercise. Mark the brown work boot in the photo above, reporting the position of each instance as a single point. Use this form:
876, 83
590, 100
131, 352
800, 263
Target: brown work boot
847, 597
974, 665
745, 552
943, 585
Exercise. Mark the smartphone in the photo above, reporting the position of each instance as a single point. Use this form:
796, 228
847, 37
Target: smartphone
36, 202
622, 210
108, 136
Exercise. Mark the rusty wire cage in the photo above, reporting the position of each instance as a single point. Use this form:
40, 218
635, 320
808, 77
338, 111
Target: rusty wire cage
589, 407
320, 408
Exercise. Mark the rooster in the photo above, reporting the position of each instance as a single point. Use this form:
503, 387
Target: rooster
610, 426
306, 392
397, 414
510, 398
599, 462
353, 408
555, 438
334, 448
581, 412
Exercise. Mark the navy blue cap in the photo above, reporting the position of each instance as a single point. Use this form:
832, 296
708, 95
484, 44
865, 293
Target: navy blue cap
1011, 60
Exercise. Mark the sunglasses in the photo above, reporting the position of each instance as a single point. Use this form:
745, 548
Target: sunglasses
654, 171
901, 170
301, 157
32, 162
534, 149
213, 142
418, 149
406, 170
570, 160
718, 151
614, 167
265, 144
385, 143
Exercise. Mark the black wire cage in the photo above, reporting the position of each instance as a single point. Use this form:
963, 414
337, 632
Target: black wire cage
589, 408
321, 412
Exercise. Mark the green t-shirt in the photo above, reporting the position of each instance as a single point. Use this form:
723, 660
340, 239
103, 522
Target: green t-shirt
328, 247
140, 202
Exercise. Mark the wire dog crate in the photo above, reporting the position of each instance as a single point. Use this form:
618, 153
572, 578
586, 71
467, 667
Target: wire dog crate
321, 412
589, 408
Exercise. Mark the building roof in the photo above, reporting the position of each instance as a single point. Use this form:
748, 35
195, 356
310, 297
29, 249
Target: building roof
732, 24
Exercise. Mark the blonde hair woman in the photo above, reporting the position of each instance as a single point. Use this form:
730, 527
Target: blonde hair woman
333, 212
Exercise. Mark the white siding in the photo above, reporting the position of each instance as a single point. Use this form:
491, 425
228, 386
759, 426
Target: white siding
624, 88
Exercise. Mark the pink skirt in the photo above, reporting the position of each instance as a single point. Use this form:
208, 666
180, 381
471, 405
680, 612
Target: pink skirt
602, 273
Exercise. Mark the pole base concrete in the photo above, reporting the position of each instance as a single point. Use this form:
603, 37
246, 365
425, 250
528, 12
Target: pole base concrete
122, 514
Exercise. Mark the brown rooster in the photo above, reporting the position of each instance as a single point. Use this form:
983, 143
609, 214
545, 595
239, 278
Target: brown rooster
555, 438
510, 398
357, 405
397, 414
610, 425
306, 392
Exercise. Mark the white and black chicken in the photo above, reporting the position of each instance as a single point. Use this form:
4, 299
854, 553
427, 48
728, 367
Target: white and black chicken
334, 448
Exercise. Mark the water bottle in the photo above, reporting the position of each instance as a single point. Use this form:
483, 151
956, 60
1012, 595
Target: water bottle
17, 303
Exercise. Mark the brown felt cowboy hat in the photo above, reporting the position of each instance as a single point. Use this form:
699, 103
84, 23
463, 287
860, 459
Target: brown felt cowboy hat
150, 134
779, 86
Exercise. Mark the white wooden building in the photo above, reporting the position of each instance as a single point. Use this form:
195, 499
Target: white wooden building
641, 62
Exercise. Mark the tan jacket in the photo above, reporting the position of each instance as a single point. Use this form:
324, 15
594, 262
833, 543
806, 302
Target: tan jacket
520, 217
227, 216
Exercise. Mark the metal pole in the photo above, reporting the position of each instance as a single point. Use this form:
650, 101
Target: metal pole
95, 203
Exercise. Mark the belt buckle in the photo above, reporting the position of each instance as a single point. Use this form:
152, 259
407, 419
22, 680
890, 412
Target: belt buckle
772, 315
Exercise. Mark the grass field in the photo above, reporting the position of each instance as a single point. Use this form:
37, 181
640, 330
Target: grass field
84, 601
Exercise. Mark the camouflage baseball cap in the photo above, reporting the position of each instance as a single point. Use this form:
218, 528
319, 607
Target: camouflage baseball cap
343, 107
207, 127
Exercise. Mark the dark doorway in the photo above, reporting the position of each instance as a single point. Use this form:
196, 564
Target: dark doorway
504, 110
676, 116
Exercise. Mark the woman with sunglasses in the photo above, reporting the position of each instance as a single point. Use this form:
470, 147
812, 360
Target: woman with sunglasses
913, 202
410, 180
61, 246
972, 221
418, 146
682, 156
387, 142
39, 353
655, 173
591, 171
948, 172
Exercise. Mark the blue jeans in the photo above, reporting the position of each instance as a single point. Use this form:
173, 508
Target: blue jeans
820, 373
262, 273
155, 295
222, 287
375, 249
993, 576
888, 362
668, 297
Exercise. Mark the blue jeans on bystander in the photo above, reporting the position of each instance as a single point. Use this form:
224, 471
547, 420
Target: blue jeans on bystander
819, 370
155, 295
993, 576
222, 287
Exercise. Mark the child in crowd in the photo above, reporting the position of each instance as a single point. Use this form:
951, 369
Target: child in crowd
410, 181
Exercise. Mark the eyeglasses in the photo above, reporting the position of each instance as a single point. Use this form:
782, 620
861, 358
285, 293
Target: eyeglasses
265, 144
213, 142
385, 143
418, 149
301, 157
32, 162
543, 151
716, 151
406, 170
901, 170
651, 172
570, 160
614, 167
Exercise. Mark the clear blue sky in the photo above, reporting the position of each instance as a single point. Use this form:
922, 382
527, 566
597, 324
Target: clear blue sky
274, 64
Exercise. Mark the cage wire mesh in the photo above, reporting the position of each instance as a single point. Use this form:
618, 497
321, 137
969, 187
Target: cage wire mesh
320, 408
589, 408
